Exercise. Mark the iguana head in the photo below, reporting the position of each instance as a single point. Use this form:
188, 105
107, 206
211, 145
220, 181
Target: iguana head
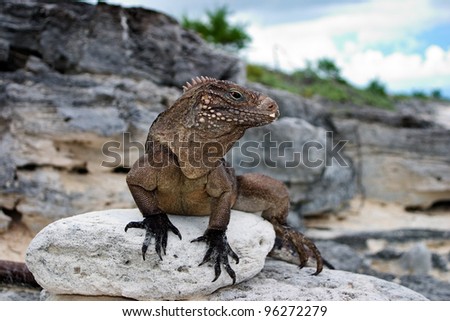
218, 106
205, 122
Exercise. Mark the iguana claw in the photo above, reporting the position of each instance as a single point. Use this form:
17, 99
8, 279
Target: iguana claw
155, 226
302, 245
218, 252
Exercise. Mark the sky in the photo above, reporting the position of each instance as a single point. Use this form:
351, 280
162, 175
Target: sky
405, 44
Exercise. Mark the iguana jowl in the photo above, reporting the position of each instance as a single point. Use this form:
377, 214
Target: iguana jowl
183, 171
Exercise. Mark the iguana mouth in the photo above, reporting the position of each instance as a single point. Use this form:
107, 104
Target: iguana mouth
213, 116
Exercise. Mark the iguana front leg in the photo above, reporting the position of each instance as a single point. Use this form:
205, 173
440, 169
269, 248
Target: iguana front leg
257, 192
141, 181
222, 189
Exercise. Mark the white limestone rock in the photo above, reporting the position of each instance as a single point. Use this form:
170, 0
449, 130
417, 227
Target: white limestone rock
281, 281
92, 255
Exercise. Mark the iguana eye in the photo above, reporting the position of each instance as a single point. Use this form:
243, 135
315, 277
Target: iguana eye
236, 95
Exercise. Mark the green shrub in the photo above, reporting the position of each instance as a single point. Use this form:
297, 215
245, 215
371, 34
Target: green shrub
218, 30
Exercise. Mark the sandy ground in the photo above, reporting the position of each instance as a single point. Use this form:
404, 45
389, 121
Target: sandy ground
372, 215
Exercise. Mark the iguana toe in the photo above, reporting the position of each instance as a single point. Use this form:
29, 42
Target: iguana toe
156, 226
218, 252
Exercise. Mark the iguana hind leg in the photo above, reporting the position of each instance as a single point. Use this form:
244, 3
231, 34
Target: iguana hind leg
257, 192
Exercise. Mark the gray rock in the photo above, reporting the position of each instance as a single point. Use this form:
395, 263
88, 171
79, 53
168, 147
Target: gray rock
417, 260
387, 253
75, 37
358, 240
76, 77
91, 254
290, 150
281, 281
341, 256
18, 293
428, 286
298, 153
440, 262
402, 163
329, 193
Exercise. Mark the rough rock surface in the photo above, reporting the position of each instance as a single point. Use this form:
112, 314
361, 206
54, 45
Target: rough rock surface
90, 254
435, 290
18, 293
76, 37
402, 159
296, 152
281, 281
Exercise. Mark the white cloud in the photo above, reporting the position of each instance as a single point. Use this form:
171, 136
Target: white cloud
351, 35
401, 71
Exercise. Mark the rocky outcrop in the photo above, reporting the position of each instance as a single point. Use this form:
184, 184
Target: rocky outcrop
400, 158
76, 37
91, 254
281, 281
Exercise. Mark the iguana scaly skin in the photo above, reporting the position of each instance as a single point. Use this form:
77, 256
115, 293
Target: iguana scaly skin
183, 171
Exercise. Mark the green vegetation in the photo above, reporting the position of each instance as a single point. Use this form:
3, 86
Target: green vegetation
326, 68
218, 30
323, 80
436, 94
376, 87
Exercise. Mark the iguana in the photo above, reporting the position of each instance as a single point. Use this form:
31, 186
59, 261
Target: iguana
183, 172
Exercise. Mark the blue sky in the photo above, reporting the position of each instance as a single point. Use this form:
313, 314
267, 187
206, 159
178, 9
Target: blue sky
403, 43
